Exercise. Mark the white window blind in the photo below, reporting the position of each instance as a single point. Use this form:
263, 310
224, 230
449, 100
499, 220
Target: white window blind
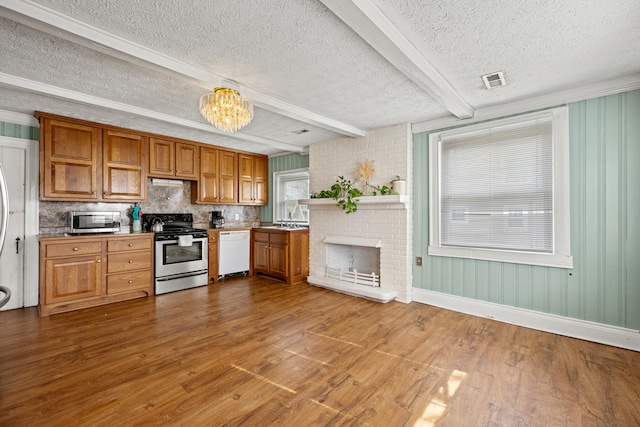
496, 188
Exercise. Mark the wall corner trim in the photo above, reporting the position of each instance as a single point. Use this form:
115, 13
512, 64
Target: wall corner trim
574, 328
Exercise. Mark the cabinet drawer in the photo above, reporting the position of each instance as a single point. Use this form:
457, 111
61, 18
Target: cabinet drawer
278, 238
74, 248
127, 282
135, 244
128, 261
260, 236
213, 236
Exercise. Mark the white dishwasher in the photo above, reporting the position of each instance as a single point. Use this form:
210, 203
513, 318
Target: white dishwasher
233, 252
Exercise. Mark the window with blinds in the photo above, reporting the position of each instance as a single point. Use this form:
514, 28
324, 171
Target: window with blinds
495, 190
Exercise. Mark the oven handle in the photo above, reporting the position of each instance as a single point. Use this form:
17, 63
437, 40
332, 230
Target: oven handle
181, 275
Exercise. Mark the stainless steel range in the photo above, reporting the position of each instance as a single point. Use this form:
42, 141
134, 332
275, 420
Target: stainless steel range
181, 260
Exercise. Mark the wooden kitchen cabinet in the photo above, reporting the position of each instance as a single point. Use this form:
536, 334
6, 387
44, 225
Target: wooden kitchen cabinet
123, 173
130, 264
218, 182
213, 255
173, 159
283, 254
68, 160
85, 271
252, 179
82, 161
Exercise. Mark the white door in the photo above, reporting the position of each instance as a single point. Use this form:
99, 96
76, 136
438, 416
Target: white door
12, 257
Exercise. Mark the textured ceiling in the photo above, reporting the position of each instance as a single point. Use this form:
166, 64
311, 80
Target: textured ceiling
303, 56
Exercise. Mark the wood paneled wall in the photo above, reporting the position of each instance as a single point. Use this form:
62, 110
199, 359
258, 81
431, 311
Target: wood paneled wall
604, 285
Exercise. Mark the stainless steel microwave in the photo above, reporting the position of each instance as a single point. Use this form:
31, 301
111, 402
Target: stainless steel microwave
94, 222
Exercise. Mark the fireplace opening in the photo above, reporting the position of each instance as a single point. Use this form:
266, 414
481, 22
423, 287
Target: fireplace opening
354, 264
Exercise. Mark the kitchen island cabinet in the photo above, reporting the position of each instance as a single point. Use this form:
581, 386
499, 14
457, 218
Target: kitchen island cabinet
281, 253
84, 271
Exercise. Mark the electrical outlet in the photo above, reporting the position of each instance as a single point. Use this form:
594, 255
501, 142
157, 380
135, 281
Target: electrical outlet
237, 216
419, 261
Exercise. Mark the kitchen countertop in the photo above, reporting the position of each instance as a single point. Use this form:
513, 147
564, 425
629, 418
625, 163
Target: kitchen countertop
89, 235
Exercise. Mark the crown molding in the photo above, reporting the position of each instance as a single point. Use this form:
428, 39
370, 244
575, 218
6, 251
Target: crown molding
18, 118
59, 25
70, 95
596, 90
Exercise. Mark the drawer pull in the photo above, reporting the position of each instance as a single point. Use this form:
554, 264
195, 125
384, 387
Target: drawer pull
130, 261
130, 245
130, 281
98, 261
75, 249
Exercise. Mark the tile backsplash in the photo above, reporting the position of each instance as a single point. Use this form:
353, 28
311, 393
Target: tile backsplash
54, 216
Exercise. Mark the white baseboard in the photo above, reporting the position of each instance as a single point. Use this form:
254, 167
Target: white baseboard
575, 328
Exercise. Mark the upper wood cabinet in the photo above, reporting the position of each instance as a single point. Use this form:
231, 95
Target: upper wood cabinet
218, 182
173, 159
69, 160
253, 179
83, 162
123, 160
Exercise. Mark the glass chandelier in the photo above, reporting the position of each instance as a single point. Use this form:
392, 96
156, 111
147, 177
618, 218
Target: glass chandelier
226, 109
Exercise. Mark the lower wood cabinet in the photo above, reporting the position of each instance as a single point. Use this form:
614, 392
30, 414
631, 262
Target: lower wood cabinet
283, 254
213, 255
84, 271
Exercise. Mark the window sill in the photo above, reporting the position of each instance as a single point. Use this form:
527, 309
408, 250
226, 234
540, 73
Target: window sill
528, 258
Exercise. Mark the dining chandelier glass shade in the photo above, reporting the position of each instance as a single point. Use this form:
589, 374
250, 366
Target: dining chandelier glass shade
226, 109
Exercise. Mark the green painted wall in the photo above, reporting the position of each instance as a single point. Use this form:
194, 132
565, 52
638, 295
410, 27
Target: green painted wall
19, 131
279, 164
604, 285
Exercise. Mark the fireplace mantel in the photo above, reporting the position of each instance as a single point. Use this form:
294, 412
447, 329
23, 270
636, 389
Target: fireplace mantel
400, 201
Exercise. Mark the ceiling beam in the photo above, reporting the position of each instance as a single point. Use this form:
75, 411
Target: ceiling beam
59, 25
32, 86
374, 27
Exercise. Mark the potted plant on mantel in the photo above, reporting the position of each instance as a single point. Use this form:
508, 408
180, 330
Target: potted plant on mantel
346, 194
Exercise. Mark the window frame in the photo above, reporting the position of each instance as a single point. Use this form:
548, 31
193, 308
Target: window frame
277, 179
561, 253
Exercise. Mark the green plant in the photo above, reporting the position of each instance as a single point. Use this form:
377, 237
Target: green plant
345, 193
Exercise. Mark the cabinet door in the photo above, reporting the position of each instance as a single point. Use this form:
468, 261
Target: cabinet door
208, 190
261, 256
69, 161
162, 157
123, 159
72, 279
245, 179
278, 260
260, 180
187, 161
228, 176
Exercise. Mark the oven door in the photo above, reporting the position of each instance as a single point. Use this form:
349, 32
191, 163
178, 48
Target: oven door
172, 259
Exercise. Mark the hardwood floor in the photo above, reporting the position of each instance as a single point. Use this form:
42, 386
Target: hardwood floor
253, 351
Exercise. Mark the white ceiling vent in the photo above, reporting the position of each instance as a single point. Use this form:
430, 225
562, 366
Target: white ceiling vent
494, 80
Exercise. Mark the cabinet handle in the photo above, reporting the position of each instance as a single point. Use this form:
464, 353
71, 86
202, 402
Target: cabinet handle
98, 260
106, 193
130, 245
130, 261
93, 192
130, 281
75, 249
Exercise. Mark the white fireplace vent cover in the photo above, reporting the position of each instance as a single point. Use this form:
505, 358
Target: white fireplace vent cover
369, 242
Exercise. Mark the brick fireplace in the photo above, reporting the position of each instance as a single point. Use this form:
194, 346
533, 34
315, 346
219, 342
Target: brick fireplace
387, 219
